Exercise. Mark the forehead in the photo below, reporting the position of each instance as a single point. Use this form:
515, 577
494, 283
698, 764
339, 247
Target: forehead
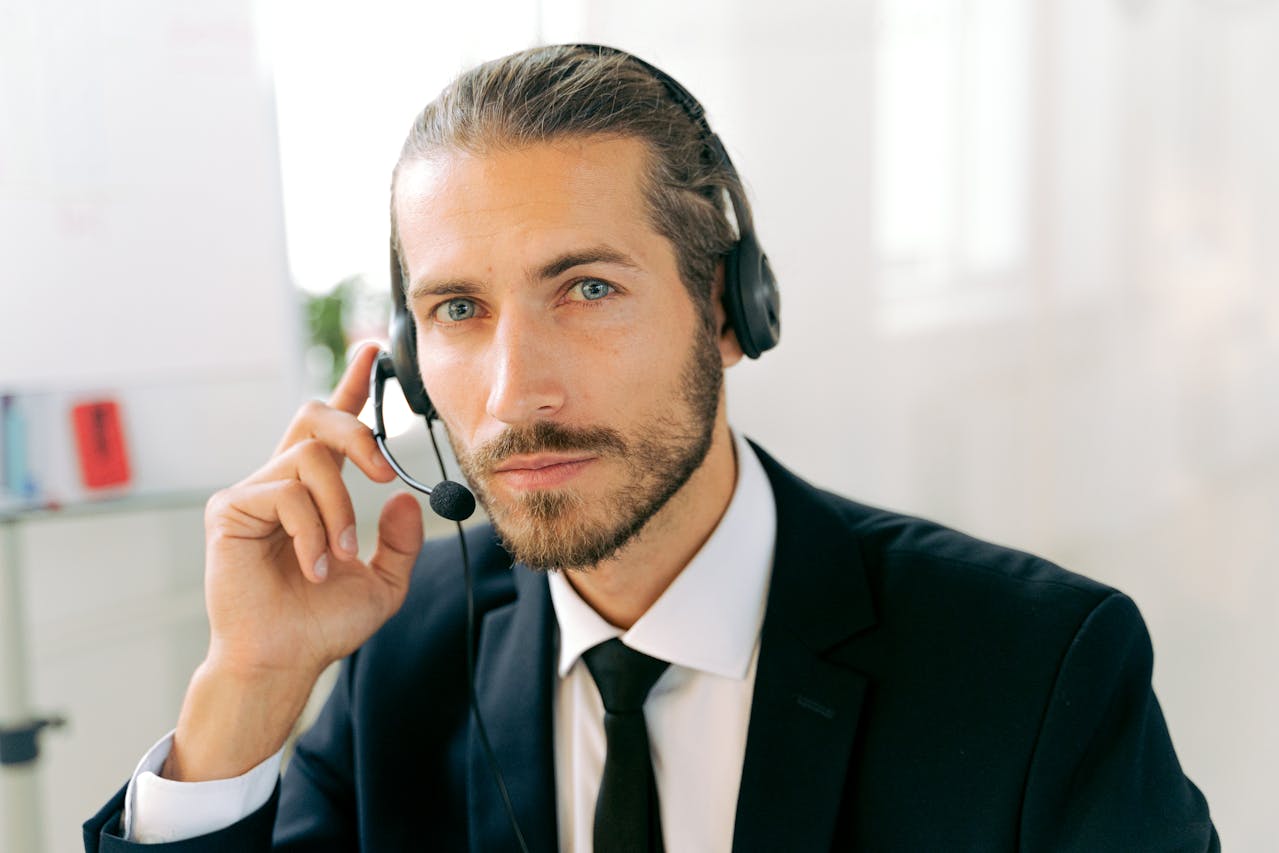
522, 203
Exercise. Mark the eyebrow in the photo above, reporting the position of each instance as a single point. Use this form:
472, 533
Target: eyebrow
557, 266
593, 255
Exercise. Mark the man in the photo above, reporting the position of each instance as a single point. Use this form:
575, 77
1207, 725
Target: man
818, 674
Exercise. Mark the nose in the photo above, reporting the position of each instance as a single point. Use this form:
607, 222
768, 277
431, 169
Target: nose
526, 375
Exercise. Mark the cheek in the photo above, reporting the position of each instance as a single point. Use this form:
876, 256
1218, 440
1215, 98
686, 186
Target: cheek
630, 372
453, 385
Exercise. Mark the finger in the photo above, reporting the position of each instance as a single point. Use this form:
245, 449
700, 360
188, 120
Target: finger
353, 388
344, 436
311, 463
256, 511
399, 534
303, 523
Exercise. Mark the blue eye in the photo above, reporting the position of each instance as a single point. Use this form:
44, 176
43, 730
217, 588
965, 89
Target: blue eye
455, 311
592, 289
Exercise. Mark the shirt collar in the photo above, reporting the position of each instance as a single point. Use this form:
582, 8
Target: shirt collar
709, 618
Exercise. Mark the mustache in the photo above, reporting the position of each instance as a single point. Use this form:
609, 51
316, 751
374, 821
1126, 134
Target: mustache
544, 436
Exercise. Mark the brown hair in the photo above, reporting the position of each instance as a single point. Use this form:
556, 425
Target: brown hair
546, 93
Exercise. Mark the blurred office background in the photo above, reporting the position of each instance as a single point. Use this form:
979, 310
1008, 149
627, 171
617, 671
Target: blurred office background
1026, 250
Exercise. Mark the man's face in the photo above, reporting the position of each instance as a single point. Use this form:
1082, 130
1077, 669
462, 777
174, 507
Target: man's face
563, 352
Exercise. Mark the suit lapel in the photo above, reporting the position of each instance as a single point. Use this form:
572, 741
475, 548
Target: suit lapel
806, 707
513, 683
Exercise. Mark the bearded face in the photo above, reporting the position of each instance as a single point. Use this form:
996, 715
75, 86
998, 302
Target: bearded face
579, 380
567, 528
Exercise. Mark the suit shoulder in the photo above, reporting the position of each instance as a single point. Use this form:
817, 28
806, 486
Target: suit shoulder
906, 549
907, 558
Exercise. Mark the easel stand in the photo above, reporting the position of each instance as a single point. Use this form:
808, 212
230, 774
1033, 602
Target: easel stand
19, 727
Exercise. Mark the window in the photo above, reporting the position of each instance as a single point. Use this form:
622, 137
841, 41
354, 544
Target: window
950, 169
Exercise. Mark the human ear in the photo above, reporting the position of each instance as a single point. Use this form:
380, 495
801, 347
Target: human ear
730, 350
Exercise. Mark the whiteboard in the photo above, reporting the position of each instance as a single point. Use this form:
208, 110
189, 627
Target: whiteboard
141, 226
142, 249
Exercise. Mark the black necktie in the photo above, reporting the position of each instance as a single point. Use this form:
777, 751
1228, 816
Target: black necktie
627, 819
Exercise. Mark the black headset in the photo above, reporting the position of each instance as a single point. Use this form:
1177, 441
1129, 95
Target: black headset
751, 298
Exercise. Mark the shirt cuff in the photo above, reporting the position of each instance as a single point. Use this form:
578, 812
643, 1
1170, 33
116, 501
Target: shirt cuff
158, 810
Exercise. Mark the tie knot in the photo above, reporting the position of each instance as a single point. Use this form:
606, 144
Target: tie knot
623, 675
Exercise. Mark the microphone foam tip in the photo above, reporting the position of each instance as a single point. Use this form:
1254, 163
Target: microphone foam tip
452, 501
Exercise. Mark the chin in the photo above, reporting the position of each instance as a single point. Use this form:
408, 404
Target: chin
557, 530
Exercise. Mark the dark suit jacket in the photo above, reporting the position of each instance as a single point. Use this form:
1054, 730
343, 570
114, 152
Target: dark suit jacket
917, 690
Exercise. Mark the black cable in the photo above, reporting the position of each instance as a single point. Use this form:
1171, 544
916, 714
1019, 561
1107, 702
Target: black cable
470, 665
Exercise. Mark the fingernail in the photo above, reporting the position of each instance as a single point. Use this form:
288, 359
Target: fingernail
347, 541
322, 567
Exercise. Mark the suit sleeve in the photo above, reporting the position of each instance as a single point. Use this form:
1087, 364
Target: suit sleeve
317, 792
1104, 775
311, 809
104, 834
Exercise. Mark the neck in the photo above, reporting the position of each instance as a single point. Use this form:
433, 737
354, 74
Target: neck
621, 589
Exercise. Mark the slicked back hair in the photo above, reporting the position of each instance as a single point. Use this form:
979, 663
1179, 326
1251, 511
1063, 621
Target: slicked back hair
549, 93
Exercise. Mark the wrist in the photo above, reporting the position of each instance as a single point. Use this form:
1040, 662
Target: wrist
232, 720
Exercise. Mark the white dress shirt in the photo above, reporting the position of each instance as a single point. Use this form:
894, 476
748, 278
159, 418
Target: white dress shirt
706, 624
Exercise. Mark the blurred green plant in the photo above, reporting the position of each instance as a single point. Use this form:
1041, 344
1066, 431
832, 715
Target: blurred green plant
327, 320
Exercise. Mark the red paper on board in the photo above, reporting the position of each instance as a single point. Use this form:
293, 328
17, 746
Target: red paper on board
100, 441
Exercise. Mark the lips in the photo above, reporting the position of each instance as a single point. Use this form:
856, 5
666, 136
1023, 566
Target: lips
536, 462
542, 470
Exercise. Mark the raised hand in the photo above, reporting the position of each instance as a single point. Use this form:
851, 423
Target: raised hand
286, 591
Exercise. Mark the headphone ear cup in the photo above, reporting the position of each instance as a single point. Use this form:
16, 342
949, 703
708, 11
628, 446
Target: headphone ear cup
751, 297
404, 356
733, 299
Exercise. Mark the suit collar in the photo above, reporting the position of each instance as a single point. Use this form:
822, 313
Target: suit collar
819, 589
806, 707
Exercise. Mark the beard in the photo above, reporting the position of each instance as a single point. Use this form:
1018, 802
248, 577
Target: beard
548, 529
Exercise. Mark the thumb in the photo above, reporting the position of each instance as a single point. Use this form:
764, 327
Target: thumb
399, 538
